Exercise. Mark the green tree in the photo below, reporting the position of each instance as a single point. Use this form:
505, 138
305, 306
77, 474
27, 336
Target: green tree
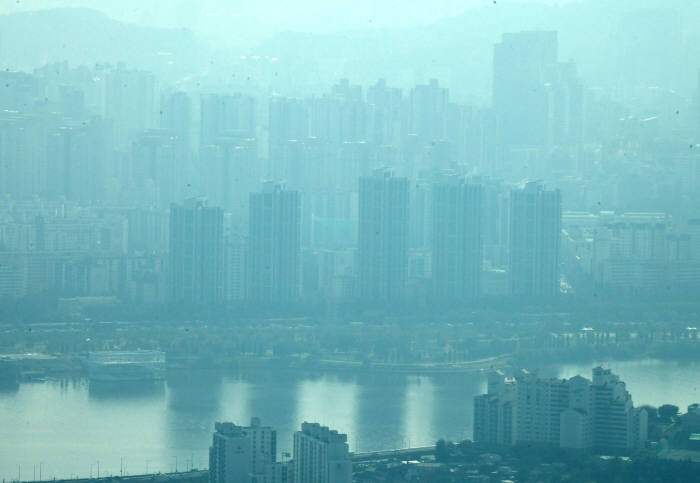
668, 411
652, 412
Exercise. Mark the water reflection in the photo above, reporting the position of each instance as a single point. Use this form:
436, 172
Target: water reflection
273, 398
236, 395
454, 405
194, 400
650, 381
418, 412
195, 390
9, 388
99, 390
383, 394
330, 400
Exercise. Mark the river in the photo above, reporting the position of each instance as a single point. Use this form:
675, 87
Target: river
65, 427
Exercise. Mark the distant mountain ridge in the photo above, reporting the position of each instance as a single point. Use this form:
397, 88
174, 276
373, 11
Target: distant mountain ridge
86, 36
616, 45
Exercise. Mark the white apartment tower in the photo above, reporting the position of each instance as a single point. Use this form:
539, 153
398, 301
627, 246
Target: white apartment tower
571, 413
616, 423
242, 454
494, 412
321, 455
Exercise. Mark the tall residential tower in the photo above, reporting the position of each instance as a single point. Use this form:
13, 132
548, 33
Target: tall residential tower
196, 252
321, 455
383, 236
457, 240
242, 454
535, 232
273, 272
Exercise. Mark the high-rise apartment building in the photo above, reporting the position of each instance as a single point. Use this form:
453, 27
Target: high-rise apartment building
387, 122
457, 240
158, 170
288, 120
495, 412
18, 91
228, 151
537, 103
196, 252
519, 94
616, 423
23, 152
69, 161
539, 403
630, 250
428, 111
129, 102
571, 413
230, 172
234, 267
224, 115
176, 118
383, 236
421, 216
243, 454
273, 255
534, 241
340, 116
321, 455
494, 221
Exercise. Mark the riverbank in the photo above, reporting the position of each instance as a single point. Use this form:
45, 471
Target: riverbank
186, 477
417, 368
35, 367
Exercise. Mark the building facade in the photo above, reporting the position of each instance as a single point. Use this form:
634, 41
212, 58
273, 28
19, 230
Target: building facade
383, 236
535, 240
273, 255
244, 454
457, 240
573, 413
321, 455
196, 252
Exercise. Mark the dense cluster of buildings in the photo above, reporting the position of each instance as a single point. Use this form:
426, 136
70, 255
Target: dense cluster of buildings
376, 193
634, 250
574, 413
196, 255
248, 454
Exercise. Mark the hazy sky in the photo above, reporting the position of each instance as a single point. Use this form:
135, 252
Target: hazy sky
261, 18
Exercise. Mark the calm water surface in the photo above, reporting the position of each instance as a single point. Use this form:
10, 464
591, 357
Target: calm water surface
65, 427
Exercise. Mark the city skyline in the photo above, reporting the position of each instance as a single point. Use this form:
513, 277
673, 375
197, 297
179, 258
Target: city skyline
333, 243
